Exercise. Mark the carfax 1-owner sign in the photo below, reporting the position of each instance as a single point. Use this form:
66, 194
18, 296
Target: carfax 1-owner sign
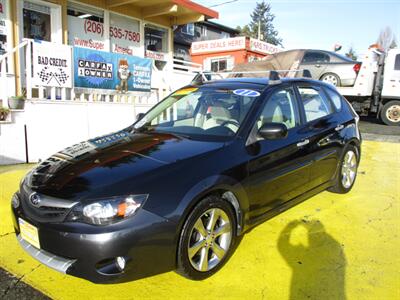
111, 71
52, 65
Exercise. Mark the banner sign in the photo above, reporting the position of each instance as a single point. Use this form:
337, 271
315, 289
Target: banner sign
124, 35
236, 43
52, 65
111, 71
156, 55
86, 33
263, 47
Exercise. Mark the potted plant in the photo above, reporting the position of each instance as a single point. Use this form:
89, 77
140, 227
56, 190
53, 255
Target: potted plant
16, 102
4, 113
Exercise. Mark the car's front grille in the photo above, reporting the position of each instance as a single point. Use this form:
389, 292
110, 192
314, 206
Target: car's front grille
48, 209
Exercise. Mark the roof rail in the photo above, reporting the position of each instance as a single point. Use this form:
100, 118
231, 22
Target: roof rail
274, 77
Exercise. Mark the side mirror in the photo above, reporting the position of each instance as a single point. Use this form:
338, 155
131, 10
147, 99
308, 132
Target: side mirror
273, 131
139, 116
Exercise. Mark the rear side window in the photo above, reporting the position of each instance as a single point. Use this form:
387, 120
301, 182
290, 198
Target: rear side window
397, 63
315, 104
335, 98
315, 57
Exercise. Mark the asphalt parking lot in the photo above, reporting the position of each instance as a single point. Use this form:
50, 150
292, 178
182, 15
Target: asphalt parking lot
328, 247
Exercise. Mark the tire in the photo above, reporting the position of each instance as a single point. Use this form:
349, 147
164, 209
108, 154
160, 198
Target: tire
341, 185
331, 78
192, 267
390, 113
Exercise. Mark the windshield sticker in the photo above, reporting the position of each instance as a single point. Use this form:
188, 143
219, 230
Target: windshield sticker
246, 93
184, 91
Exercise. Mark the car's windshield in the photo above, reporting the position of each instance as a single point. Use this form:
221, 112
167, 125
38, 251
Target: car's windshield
200, 112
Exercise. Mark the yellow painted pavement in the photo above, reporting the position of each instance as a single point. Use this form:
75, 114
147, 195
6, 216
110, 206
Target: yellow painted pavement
329, 247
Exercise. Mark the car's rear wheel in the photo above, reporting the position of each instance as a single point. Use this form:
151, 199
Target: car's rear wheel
390, 113
331, 78
207, 238
347, 174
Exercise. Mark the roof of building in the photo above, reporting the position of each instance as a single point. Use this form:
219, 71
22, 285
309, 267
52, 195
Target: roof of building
175, 12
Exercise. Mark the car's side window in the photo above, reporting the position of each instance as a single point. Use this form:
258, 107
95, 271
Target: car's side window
280, 108
335, 98
315, 104
315, 57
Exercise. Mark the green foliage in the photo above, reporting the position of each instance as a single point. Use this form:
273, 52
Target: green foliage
4, 110
262, 18
19, 97
351, 54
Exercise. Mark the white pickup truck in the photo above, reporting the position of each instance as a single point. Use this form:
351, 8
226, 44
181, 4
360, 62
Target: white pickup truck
377, 87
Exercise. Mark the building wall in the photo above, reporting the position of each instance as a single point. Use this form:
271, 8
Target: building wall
53, 126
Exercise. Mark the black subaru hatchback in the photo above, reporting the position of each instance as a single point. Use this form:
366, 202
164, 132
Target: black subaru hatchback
176, 189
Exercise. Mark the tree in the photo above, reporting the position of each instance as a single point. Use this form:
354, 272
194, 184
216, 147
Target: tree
386, 39
261, 25
351, 53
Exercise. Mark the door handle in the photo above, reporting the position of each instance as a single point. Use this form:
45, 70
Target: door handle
318, 66
339, 127
303, 143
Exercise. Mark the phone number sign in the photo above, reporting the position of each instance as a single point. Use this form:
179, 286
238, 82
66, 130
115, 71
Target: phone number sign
124, 34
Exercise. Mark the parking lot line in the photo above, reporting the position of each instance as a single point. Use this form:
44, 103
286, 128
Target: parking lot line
328, 247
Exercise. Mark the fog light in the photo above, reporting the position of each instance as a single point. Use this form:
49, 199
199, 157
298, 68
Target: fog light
15, 201
120, 263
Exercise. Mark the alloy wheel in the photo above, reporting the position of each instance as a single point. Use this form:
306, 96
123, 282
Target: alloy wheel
209, 240
330, 79
349, 169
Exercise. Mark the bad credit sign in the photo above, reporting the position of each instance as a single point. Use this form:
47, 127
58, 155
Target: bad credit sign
52, 65
219, 45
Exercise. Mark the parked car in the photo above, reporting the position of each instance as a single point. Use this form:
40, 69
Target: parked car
327, 66
176, 189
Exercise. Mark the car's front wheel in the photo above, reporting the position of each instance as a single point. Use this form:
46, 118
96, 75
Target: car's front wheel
207, 238
347, 172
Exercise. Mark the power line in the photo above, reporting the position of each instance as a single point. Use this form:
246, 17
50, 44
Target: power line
223, 3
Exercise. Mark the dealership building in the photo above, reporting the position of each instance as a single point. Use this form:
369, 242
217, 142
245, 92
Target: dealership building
223, 54
86, 67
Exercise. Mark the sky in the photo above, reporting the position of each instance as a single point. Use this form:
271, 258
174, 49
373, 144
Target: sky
319, 24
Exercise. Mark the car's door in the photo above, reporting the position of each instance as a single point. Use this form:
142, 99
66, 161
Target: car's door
322, 130
278, 170
316, 62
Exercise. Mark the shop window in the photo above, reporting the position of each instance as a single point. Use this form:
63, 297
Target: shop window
156, 45
225, 35
124, 35
86, 27
156, 39
221, 64
37, 21
188, 29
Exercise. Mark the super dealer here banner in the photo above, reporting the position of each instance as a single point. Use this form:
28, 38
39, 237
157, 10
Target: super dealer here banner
111, 71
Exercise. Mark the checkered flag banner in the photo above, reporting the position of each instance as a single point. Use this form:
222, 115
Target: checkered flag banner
46, 76
62, 76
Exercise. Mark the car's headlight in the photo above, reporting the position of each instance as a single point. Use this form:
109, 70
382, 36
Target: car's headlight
106, 211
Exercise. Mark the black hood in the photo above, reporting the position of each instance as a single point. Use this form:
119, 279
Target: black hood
101, 164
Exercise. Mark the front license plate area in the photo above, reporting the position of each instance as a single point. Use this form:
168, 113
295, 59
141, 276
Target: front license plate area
29, 233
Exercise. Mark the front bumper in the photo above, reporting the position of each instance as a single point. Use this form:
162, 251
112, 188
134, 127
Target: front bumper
146, 241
